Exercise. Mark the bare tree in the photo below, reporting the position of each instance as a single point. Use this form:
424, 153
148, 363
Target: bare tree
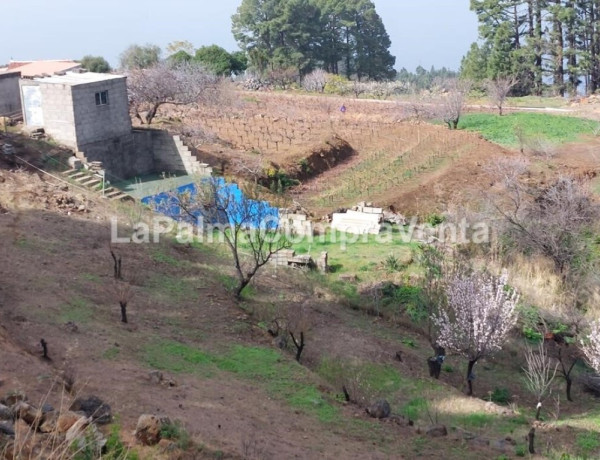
453, 102
591, 347
315, 81
248, 226
498, 89
539, 374
298, 325
551, 220
167, 83
123, 293
480, 312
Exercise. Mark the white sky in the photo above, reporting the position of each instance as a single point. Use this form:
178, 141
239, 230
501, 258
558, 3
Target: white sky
423, 32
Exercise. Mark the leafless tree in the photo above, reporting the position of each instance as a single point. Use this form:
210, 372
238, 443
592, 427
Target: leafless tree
167, 83
247, 225
591, 346
479, 314
124, 294
551, 220
298, 325
498, 89
453, 102
315, 81
539, 374
251, 165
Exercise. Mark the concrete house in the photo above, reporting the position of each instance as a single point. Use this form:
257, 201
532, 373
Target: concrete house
89, 112
10, 99
77, 109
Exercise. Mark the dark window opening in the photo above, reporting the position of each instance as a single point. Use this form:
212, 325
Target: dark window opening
102, 98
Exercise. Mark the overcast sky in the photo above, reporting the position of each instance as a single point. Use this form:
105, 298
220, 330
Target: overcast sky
423, 32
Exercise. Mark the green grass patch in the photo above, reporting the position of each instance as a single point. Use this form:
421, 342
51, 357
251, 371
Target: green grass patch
503, 130
111, 353
587, 443
76, 311
174, 288
279, 376
163, 258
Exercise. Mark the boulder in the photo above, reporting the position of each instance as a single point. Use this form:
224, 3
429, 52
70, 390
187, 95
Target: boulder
379, 409
26, 412
436, 431
400, 420
155, 377
66, 420
94, 407
147, 430
13, 398
7, 428
5, 412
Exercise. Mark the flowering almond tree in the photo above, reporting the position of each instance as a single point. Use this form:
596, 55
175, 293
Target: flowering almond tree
591, 348
479, 314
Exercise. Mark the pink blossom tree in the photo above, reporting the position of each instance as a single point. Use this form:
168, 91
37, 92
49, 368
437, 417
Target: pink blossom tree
591, 347
479, 314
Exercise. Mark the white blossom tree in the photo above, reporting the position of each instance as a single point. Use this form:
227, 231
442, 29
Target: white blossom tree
166, 83
479, 314
498, 89
315, 81
591, 347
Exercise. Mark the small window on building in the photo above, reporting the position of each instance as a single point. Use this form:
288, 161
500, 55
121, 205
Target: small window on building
102, 98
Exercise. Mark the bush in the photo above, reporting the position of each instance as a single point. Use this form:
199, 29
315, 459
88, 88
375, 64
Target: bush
336, 84
500, 396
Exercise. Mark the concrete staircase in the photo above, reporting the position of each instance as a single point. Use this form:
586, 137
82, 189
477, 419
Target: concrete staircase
87, 179
172, 155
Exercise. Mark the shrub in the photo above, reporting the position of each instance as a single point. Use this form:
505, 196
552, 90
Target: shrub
500, 396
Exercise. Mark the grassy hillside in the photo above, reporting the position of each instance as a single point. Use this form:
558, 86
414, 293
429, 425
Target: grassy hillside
506, 130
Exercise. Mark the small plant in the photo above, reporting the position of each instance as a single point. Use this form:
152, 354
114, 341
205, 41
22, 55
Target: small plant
500, 396
447, 368
435, 219
392, 264
520, 451
409, 343
176, 432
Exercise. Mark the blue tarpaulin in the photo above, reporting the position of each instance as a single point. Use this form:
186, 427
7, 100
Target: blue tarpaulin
239, 209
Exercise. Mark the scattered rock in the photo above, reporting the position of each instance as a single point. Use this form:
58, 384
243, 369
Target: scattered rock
49, 423
14, 398
379, 409
501, 445
348, 278
93, 407
147, 430
155, 377
7, 428
436, 431
28, 413
400, 420
5, 412
482, 442
66, 420
280, 342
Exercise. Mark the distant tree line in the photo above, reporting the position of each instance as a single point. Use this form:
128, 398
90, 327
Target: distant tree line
543, 44
213, 58
344, 37
425, 79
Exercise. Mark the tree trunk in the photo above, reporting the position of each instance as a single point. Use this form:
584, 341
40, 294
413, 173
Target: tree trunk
559, 71
151, 113
531, 438
299, 345
470, 377
569, 383
238, 292
123, 311
538, 410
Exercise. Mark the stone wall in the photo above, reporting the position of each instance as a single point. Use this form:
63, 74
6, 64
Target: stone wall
10, 97
94, 122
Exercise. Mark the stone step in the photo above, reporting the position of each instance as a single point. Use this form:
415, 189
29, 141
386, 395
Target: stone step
113, 193
76, 174
84, 177
120, 196
91, 182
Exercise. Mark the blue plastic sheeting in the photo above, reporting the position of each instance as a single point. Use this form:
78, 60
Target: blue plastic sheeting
241, 210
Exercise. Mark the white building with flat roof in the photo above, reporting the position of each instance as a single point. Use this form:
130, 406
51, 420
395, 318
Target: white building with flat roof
77, 109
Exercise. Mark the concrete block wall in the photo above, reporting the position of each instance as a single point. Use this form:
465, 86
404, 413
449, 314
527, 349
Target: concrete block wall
122, 157
10, 96
172, 155
358, 223
57, 107
95, 123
